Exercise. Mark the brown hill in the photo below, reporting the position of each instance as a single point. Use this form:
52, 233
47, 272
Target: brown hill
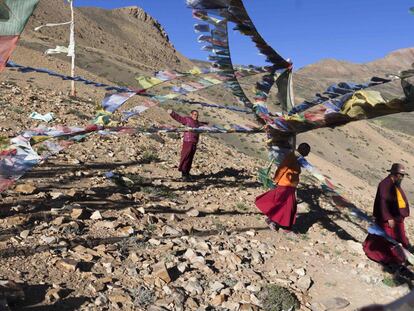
110, 43
316, 77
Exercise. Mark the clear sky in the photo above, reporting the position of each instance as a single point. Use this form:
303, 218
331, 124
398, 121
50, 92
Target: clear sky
304, 30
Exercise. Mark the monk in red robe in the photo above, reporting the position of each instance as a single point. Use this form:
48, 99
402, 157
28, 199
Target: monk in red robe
390, 210
279, 204
189, 142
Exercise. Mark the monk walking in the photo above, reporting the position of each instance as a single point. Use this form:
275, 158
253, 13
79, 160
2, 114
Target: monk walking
279, 204
189, 142
390, 210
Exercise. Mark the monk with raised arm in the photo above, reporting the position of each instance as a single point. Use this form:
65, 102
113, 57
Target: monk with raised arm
190, 141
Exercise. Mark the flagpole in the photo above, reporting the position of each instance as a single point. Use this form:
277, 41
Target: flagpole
72, 40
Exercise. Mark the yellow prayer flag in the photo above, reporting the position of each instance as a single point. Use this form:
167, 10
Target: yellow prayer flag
212, 80
148, 82
195, 71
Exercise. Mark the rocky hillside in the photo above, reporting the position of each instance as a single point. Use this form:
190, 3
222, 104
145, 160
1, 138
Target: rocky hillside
74, 239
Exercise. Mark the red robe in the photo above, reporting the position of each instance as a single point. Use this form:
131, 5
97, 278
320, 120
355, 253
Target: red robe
279, 204
386, 208
190, 141
187, 156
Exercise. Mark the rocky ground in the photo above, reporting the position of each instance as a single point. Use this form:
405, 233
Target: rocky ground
74, 239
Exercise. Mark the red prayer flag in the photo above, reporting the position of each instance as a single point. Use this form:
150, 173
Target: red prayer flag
7, 46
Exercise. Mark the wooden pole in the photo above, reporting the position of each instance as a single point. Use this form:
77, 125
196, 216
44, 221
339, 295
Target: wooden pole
72, 40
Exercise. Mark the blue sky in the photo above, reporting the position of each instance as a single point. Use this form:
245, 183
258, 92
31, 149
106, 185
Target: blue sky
305, 31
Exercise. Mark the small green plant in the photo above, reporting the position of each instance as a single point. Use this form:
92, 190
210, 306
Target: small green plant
150, 228
137, 179
330, 284
169, 258
41, 149
219, 225
291, 238
4, 142
143, 297
230, 282
159, 192
241, 187
174, 135
149, 156
390, 282
242, 207
278, 298
17, 110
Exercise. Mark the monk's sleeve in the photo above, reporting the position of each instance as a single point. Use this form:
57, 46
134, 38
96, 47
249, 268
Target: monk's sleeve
383, 202
178, 118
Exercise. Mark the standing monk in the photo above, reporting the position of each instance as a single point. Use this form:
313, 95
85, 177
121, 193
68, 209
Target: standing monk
390, 209
279, 204
189, 142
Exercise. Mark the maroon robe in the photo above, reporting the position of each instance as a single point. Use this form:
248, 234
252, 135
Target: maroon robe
386, 208
279, 205
190, 141
187, 155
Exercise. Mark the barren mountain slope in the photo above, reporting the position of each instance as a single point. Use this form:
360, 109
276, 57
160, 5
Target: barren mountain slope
77, 240
330, 71
120, 42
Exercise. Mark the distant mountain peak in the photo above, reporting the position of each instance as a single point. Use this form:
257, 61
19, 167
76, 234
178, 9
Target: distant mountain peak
139, 13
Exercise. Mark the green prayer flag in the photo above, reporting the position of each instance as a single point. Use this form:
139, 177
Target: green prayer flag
18, 12
4, 11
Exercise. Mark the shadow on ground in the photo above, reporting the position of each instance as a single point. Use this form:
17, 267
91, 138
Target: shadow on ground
35, 300
326, 218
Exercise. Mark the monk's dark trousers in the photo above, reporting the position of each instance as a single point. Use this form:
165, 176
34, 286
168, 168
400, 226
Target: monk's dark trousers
187, 155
